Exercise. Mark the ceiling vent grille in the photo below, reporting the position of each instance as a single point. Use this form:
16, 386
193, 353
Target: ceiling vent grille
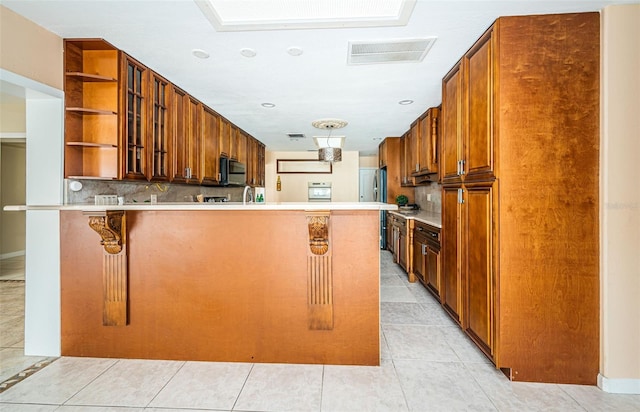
389, 51
296, 135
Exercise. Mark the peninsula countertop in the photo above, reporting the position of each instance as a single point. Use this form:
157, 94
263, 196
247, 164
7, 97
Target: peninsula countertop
219, 206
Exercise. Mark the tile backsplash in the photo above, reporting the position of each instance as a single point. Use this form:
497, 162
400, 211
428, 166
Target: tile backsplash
421, 195
140, 192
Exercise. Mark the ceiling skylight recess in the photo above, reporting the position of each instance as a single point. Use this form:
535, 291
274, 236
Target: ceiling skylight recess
246, 15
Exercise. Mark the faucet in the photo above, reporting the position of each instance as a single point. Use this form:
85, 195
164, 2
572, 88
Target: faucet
247, 189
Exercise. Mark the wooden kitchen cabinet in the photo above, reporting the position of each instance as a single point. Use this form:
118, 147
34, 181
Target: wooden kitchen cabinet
405, 159
124, 121
382, 154
92, 90
187, 136
392, 151
428, 142
211, 158
451, 135
135, 119
520, 243
224, 137
426, 256
402, 242
478, 210
160, 142
451, 286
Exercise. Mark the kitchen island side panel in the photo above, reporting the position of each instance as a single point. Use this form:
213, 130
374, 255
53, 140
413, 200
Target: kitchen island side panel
223, 286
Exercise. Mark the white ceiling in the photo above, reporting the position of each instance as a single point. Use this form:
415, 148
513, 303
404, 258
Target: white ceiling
314, 85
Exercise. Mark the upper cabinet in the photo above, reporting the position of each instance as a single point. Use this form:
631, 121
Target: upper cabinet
92, 74
159, 144
419, 154
467, 139
427, 144
451, 136
135, 99
124, 121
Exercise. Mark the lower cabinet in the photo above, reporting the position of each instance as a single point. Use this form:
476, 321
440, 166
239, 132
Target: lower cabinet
426, 256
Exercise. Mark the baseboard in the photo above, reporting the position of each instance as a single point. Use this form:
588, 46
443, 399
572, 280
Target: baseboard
626, 386
11, 254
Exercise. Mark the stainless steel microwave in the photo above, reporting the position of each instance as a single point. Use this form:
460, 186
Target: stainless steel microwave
232, 173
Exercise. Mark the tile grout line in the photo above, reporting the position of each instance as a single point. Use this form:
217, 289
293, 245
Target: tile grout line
90, 382
25, 373
165, 384
233, 407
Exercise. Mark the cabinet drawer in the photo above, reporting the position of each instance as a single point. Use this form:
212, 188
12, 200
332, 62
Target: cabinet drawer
432, 234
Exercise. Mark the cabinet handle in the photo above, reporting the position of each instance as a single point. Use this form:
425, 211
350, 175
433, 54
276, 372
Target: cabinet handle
433, 235
420, 229
460, 198
458, 168
424, 249
461, 167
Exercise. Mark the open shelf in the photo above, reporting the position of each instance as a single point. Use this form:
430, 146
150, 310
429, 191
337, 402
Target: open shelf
87, 77
91, 144
83, 110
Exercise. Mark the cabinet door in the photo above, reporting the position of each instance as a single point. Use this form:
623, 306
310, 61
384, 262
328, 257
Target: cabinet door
382, 154
252, 157
451, 143
179, 132
428, 141
160, 142
224, 137
135, 119
402, 249
419, 252
479, 128
261, 164
211, 159
193, 140
241, 147
432, 268
451, 292
480, 278
414, 148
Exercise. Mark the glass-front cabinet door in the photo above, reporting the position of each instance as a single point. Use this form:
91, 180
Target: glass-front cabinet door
161, 148
135, 166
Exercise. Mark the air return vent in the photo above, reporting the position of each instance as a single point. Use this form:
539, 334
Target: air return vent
296, 135
389, 51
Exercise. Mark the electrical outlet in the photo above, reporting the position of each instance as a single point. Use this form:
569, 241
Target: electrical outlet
428, 197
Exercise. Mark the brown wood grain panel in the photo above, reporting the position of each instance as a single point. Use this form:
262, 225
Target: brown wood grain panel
479, 108
549, 139
451, 287
479, 267
451, 125
198, 293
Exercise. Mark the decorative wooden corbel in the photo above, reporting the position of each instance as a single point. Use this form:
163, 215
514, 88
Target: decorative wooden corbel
112, 228
319, 272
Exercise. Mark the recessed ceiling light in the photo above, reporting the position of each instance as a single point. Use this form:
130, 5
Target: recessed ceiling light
294, 51
247, 52
405, 102
199, 53
268, 105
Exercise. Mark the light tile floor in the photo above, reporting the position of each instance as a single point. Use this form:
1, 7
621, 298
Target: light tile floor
427, 364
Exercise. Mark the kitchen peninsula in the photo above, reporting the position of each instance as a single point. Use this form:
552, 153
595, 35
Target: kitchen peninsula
275, 282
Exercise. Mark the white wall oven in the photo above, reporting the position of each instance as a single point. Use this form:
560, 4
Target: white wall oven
319, 192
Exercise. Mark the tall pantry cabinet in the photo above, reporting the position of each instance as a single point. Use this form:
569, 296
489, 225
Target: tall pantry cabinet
519, 167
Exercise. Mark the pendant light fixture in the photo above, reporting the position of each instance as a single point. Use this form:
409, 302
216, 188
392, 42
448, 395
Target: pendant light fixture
328, 153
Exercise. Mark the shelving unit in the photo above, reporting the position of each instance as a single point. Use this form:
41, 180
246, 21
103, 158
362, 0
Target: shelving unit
91, 115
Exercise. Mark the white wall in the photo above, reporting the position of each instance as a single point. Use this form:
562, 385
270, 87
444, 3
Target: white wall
620, 200
344, 179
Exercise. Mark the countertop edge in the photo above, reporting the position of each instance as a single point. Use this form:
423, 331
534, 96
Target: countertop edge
213, 206
430, 218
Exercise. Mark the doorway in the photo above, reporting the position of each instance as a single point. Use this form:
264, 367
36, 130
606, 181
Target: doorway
368, 184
